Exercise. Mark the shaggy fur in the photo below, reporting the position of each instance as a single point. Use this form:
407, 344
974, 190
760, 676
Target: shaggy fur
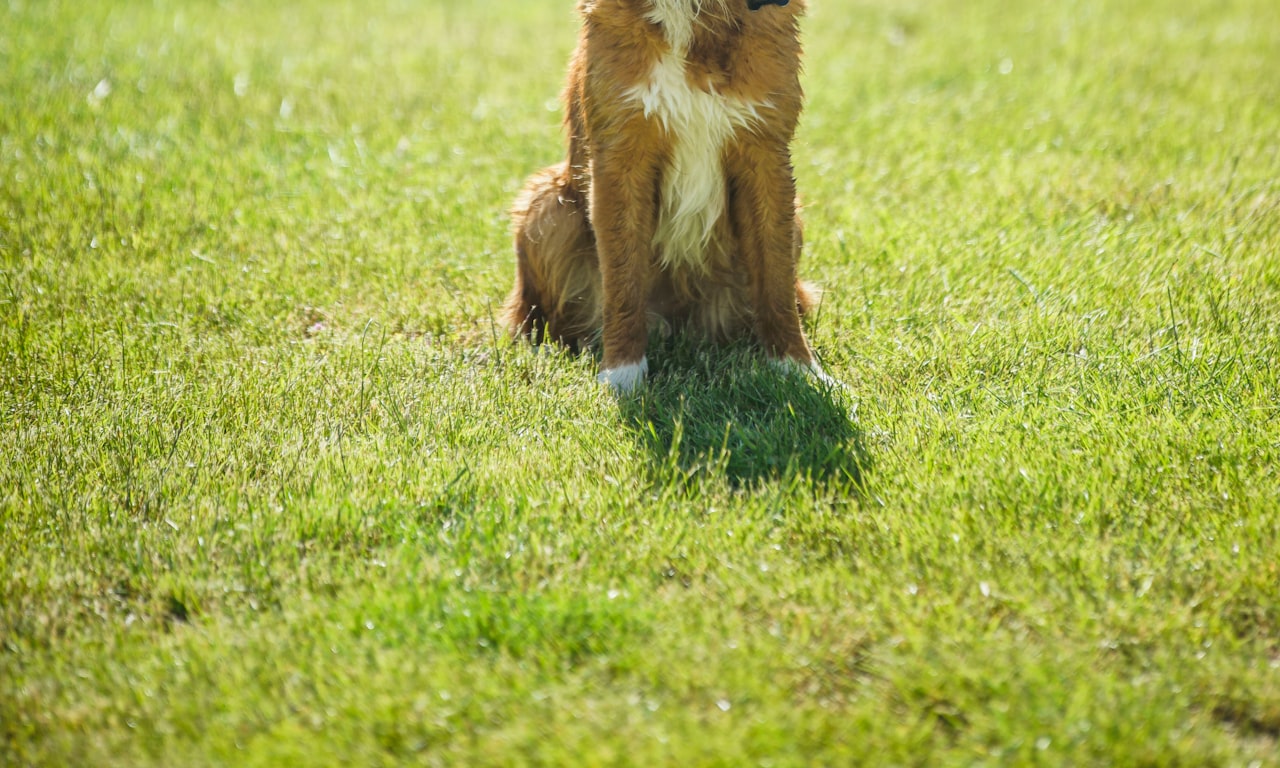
676, 205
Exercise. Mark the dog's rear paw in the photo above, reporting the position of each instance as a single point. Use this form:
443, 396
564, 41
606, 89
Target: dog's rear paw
625, 378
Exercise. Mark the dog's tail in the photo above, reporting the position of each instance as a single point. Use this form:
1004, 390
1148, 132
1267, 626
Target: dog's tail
808, 297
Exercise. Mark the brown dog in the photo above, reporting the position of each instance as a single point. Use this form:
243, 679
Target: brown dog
677, 201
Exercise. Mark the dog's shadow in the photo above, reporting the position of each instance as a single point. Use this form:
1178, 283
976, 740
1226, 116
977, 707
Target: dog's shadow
708, 410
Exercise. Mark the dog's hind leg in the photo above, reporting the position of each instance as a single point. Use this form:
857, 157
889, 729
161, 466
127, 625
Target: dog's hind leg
557, 291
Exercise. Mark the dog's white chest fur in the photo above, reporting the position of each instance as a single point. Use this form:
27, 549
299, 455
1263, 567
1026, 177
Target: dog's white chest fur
699, 123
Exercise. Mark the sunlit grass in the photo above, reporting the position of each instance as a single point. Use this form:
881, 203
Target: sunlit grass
273, 490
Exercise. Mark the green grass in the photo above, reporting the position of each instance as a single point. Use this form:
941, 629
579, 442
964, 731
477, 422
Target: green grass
273, 491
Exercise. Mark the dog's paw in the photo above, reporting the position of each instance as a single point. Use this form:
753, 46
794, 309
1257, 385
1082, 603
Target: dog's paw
625, 378
811, 370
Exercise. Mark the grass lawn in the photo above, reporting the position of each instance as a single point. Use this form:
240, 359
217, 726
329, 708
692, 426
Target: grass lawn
275, 491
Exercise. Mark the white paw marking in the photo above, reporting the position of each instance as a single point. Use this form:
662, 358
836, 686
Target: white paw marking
790, 365
625, 378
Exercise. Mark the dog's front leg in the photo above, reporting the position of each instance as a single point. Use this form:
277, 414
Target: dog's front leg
766, 223
623, 190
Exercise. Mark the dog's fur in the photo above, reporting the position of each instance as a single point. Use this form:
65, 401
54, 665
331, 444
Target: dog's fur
677, 201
